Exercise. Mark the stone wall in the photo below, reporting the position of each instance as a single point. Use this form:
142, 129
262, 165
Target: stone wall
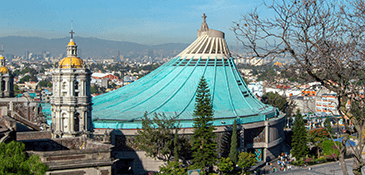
138, 162
73, 156
33, 135
83, 171
273, 152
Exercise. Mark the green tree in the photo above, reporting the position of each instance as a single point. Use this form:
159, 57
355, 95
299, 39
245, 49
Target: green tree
327, 126
94, 89
16, 89
25, 79
172, 167
276, 100
324, 40
43, 83
14, 160
299, 138
233, 151
156, 137
176, 145
49, 84
246, 161
204, 146
225, 164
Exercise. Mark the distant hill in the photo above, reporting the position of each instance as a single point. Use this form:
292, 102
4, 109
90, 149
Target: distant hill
90, 47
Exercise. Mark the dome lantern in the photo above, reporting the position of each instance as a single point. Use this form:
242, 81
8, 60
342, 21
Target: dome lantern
71, 61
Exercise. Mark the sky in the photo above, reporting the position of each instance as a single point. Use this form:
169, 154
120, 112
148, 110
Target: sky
149, 22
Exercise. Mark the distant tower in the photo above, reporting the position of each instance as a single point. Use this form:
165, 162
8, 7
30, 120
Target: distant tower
117, 58
71, 99
6, 78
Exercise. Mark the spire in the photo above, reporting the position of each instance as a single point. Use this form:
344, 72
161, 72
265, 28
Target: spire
71, 46
72, 32
2, 49
204, 26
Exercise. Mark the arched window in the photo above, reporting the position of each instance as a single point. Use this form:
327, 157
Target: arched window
64, 121
3, 85
76, 85
64, 86
77, 122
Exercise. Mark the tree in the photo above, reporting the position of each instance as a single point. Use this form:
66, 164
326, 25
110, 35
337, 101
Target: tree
278, 101
246, 160
49, 84
14, 160
316, 136
94, 89
225, 164
327, 126
16, 89
233, 151
172, 167
25, 79
299, 138
325, 41
44, 83
203, 144
176, 146
156, 136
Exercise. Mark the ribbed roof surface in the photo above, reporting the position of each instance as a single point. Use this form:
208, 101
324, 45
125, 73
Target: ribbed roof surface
171, 88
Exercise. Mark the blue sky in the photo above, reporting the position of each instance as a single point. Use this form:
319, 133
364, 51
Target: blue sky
142, 21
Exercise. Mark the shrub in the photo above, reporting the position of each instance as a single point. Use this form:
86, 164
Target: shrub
322, 160
330, 148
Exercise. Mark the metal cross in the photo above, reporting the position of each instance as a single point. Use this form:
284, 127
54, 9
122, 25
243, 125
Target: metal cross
72, 34
204, 17
2, 49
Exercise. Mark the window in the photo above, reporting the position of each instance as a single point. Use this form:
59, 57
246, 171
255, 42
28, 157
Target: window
64, 121
3, 85
64, 86
77, 122
76, 85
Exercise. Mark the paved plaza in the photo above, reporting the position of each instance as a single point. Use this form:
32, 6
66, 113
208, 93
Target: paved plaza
322, 169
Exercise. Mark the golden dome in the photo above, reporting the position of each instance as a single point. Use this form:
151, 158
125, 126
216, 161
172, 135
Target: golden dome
4, 70
1, 57
71, 43
74, 62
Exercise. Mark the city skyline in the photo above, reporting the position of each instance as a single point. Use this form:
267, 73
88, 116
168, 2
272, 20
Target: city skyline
143, 22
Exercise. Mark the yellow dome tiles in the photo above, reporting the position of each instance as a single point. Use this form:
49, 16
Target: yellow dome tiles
4, 70
71, 43
71, 62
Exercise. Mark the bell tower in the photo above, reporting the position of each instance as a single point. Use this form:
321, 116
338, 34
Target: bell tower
71, 100
6, 78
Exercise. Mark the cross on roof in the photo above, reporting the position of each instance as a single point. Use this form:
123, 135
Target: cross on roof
2, 49
72, 34
204, 17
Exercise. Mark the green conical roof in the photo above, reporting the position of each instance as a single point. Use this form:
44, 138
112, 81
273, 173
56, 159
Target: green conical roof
171, 89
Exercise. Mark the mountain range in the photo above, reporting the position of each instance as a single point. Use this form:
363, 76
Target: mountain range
90, 47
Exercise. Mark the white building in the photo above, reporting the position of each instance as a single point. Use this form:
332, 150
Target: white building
71, 100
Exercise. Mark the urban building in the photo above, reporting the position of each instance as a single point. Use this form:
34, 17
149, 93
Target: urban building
71, 99
6, 79
171, 90
327, 104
